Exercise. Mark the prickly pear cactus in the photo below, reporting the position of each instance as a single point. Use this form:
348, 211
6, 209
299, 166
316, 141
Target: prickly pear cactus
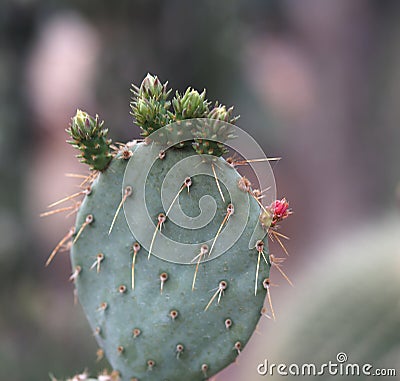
169, 255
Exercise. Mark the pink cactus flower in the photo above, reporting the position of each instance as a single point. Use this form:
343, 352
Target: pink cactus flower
280, 210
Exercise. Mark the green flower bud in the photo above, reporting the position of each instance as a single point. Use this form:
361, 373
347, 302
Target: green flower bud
88, 136
190, 105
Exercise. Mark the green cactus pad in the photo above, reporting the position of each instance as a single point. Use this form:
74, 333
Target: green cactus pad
146, 334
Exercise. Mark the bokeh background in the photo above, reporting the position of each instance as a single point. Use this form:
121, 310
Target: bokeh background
316, 82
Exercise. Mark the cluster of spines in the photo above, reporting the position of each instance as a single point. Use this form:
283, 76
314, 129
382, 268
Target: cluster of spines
152, 110
90, 138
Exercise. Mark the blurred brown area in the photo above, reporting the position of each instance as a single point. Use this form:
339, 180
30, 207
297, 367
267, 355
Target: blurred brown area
317, 83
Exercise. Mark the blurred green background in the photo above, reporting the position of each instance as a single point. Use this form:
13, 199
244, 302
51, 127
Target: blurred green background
316, 82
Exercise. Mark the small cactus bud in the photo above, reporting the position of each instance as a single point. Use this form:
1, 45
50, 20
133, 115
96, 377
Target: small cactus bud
150, 104
91, 140
190, 105
215, 129
220, 112
266, 219
152, 88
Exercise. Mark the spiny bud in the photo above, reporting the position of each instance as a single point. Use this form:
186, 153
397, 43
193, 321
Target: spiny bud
84, 126
220, 112
150, 104
266, 219
152, 88
210, 137
190, 105
91, 140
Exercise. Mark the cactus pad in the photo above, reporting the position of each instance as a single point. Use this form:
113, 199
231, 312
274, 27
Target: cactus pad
169, 255
152, 335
